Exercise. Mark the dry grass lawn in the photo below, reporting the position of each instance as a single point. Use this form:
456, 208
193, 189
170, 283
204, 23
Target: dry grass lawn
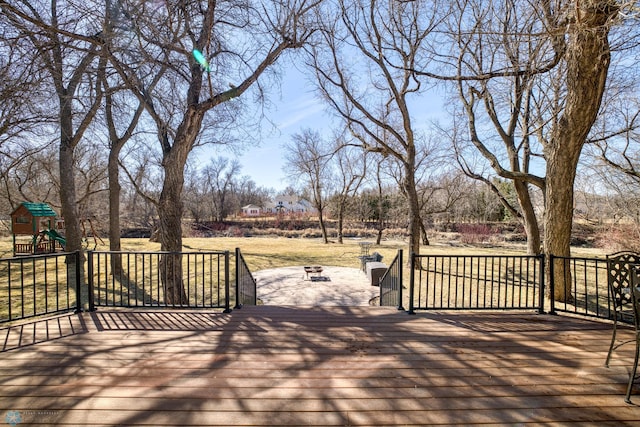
274, 252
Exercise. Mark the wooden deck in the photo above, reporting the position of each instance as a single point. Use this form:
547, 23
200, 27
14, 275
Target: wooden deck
312, 366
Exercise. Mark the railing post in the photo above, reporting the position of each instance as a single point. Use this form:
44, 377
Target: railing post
541, 257
90, 284
227, 305
399, 265
411, 281
237, 279
78, 282
552, 284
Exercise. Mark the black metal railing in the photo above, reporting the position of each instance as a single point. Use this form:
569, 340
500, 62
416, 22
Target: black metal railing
391, 284
38, 285
245, 283
587, 289
476, 282
150, 279
53, 283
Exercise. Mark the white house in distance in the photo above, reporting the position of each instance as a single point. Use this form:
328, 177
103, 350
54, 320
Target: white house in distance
285, 205
251, 210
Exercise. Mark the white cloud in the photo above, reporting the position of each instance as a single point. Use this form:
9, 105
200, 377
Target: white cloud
299, 111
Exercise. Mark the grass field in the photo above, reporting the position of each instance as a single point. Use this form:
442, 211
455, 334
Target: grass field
264, 252
273, 252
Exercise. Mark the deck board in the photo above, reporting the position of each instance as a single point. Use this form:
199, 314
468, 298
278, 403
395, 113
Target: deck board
264, 365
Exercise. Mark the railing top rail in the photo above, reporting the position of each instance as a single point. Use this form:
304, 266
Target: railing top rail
476, 256
244, 264
395, 260
37, 256
162, 252
585, 258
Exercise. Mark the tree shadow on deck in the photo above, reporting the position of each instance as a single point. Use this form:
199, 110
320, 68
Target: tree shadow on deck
345, 366
159, 320
41, 331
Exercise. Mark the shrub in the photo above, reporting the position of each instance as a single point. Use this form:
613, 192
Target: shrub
619, 237
474, 233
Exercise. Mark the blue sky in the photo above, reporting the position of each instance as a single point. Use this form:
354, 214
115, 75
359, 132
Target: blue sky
295, 109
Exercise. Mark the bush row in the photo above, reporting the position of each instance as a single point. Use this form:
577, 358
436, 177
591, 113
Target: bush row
610, 238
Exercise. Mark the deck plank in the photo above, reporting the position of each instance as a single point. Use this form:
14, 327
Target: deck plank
313, 366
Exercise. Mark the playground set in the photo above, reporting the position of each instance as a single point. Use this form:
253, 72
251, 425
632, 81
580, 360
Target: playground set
45, 231
41, 225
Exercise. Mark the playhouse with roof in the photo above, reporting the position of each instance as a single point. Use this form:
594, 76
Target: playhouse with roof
36, 229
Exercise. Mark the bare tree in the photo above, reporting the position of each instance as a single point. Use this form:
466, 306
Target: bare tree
505, 102
613, 172
248, 192
121, 122
65, 44
141, 188
479, 203
218, 190
33, 177
587, 57
438, 194
362, 64
91, 176
351, 169
22, 98
382, 205
196, 196
308, 159
219, 179
236, 42
25, 114
621, 151
566, 53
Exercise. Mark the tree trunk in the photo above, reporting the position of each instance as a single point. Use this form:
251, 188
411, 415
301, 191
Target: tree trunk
114, 211
558, 216
529, 219
415, 222
587, 61
170, 208
380, 204
341, 220
423, 233
171, 274
73, 235
323, 227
